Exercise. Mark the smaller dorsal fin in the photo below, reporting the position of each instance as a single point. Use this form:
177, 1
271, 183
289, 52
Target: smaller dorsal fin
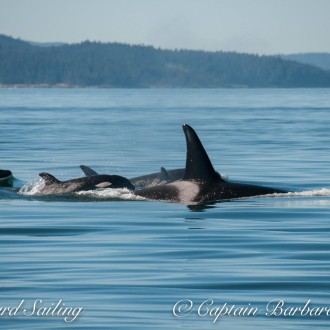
164, 175
88, 171
5, 173
49, 179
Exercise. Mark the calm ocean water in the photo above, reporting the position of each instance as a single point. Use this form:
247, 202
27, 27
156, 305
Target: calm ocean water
133, 264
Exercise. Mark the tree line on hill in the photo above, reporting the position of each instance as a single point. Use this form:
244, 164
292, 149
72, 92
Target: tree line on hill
125, 66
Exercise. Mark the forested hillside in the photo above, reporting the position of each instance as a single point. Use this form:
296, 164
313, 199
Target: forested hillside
120, 65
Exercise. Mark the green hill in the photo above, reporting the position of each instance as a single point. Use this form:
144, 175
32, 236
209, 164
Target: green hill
125, 66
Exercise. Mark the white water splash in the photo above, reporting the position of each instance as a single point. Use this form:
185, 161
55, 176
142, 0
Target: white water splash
309, 198
32, 187
110, 194
308, 193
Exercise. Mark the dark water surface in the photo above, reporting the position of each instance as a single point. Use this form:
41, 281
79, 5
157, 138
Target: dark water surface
133, 264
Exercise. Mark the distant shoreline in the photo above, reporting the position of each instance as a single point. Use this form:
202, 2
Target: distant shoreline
62, 86
38, 86
66, 86
113, 65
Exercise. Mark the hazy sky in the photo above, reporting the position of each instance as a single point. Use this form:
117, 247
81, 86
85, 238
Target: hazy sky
254, 26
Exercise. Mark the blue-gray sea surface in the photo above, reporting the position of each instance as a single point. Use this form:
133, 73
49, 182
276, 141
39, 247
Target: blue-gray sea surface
136, 264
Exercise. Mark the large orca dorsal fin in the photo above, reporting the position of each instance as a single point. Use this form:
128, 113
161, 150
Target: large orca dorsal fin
198, 164
49, 179
88, 171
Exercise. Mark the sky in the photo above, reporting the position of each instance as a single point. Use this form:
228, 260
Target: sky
249, 26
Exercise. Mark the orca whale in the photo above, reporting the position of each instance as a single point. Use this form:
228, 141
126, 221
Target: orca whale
6, 178
201, 183
149, 180
55, 187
